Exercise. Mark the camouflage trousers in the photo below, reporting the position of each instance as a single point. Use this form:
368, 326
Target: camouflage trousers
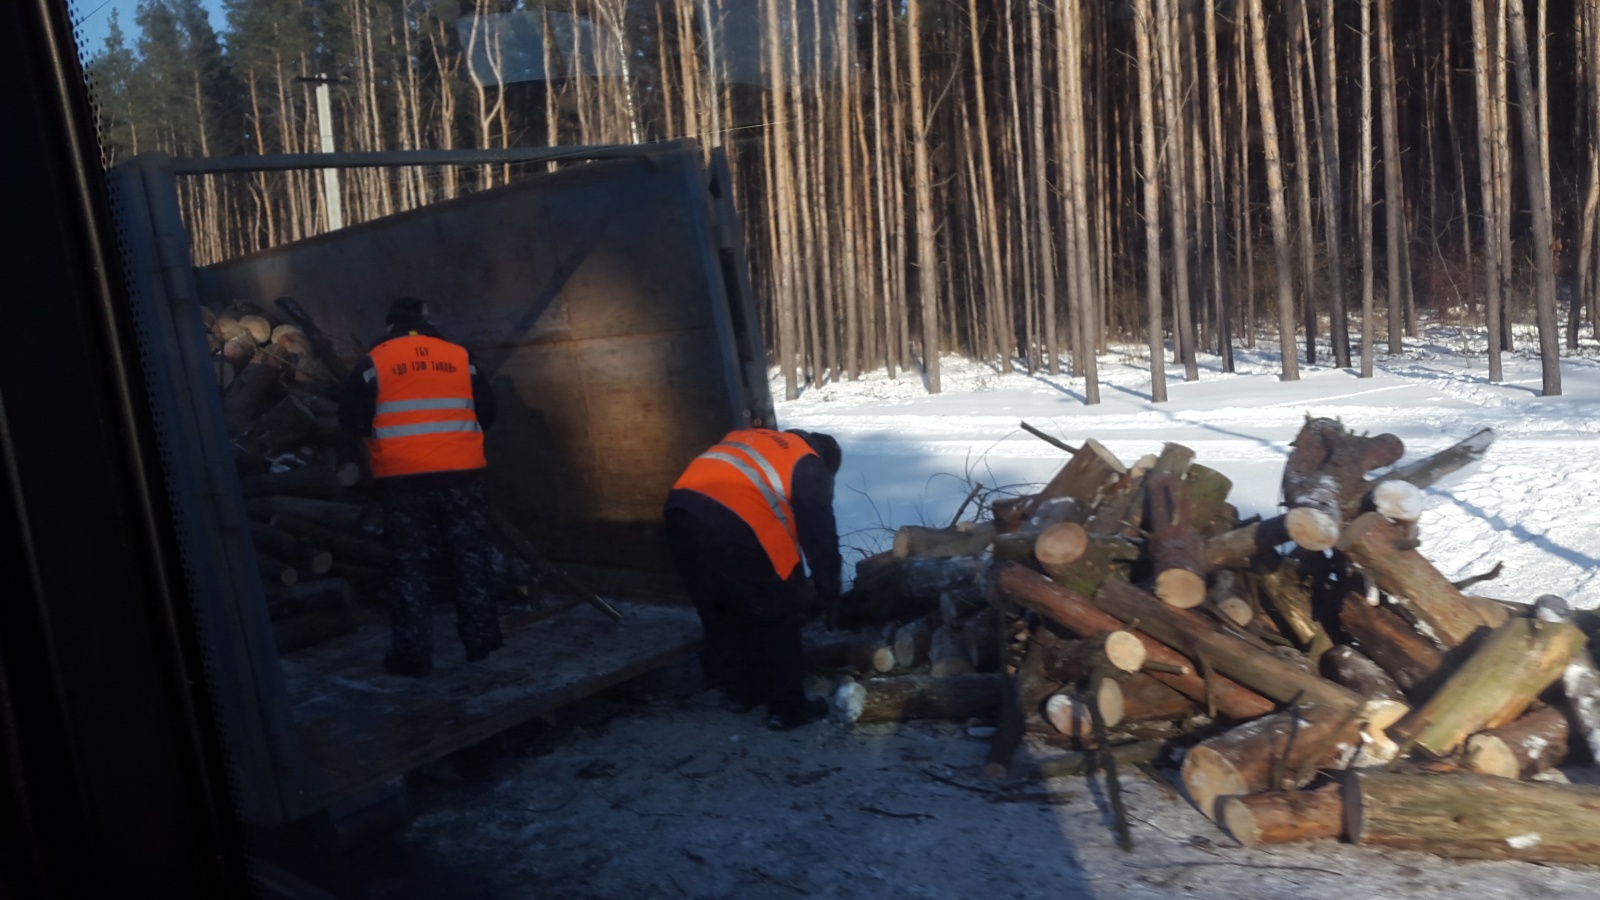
419, 523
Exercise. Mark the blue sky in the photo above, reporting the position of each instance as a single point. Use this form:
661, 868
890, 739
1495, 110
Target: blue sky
92, 19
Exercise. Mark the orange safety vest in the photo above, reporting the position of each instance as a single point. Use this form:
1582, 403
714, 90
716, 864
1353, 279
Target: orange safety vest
425, 421
749, 473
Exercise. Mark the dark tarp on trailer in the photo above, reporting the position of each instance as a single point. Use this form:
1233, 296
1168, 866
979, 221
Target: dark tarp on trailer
595, 298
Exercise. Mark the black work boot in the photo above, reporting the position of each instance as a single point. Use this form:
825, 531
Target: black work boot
803, 713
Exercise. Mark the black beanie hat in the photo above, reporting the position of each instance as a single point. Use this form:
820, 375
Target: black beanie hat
826, 447
407, 310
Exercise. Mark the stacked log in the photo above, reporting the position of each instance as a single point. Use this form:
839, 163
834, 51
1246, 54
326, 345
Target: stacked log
1317, 674
314, 522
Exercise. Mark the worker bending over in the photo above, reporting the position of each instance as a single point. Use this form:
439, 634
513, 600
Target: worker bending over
422, 405
738, 522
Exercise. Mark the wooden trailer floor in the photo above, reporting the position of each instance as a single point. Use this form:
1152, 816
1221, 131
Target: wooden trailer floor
362, 727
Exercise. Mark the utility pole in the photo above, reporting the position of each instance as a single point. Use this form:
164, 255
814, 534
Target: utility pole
330, 177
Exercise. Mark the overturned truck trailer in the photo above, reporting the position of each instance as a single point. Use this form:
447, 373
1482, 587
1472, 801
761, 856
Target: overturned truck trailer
608, 302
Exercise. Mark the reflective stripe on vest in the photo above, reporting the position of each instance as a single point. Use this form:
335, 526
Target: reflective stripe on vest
425, 420
749, 473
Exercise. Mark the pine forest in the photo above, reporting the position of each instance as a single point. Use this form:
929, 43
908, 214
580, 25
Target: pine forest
1019, 182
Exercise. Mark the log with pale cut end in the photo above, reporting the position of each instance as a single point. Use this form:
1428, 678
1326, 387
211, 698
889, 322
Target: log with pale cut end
347, 474
911, 643
259, 329
1076, 614
858, 654
939, 543
1380, 714
1376, 545
1125, 651
1388, 640
1473, 816
1581, 683
1061, 545
1085, 477
1283, 750
1252, 546
1018, 543
1174, 541
1349, 667
286, 332
1376, 750
899, 698
1311, 528
1397, 501
1227, 654
1283, 817
1533, 743
1103, 558
1069, 714
229, 328
1505, 673
275, 572
237, 352
947, 653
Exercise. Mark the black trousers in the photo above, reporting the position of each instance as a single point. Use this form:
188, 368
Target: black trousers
420, 521
752, 618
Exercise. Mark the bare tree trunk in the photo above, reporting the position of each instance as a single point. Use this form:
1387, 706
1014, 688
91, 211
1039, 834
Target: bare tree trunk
1149, 169
1018, 245
1504, 185
927, 256
1537, 175
1218, 159
1364, 56
1487, 176
1041, 194
1333, 192
1302, 181
1278, 209
990, 245
1393, 192
1069, 59
1166, 22
783, 256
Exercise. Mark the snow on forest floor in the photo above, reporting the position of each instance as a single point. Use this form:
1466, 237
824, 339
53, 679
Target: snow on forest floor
653, 790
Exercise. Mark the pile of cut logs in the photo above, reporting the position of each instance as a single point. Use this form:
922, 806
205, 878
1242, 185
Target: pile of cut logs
313, 522
1316, 674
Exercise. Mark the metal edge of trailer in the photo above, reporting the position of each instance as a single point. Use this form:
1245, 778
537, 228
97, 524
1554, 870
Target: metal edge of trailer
736, 287
251, 704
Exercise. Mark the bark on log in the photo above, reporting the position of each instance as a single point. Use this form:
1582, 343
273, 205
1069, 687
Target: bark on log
1079, 616
308, 597
319, 482
237, 353
1208, 493
980, 633
1174, 542
1388, 640
1291, 600
1374, 543
929, 578
316, 628
328, 513
947, 653
1283, 817
1426, 472
1533, 743
250, 392
320, 344
1146, 699
1347, 666
344, 546
1115, 513
942, 543
1505, 673
1253, 546
1019, 543
1276, 752
1085, 477
1325, 471
1227, 654
1473, 816
911, 643
1104, 557
900, 698
290, 550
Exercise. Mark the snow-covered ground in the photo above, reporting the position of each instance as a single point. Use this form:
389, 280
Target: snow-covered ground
654, 790
1532, 503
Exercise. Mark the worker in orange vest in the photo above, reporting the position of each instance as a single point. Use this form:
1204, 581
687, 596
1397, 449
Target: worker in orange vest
421, 404
739, 521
